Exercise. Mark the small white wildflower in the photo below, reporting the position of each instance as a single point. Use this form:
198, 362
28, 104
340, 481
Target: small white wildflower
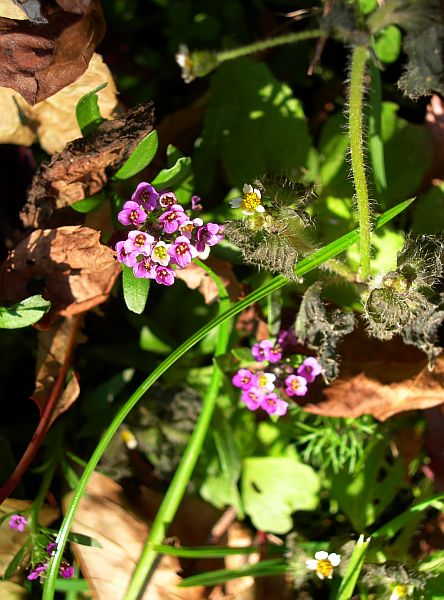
400, 591
183, 59
323, 563
266, 381
160, 254
250, 201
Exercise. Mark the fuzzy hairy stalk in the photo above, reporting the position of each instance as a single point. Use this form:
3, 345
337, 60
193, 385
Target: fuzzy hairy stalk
356, 93
281, 40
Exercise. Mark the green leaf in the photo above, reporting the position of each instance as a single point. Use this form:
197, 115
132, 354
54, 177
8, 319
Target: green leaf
368, 6
394, 525
150, 342
140, 158
88, 204
170, 178
265, 568
84, 540
16, 560
135, 290
204, 551
87, 111
273, 488
253, 124
351, 576
24, 313
388, 44
375, 143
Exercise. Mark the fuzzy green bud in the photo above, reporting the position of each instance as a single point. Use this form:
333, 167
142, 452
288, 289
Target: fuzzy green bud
387, 312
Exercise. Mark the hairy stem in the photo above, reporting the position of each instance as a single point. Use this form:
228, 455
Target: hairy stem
289, 38
358, 64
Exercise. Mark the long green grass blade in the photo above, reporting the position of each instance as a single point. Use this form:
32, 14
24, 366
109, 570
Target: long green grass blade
303, 267
355, 565
204, 551
273, 566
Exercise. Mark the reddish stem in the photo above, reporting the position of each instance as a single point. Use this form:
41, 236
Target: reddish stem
45, 420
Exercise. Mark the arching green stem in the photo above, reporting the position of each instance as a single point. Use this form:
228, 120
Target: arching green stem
290, 38
358, 65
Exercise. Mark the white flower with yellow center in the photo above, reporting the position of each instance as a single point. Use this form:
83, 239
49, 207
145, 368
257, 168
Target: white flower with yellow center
400, 591
250, 201
323, 563
265, 381
160, 254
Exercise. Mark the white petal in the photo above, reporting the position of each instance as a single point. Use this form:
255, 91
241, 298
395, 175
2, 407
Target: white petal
257, 192
335, 559
205, 253
247, 189
320, 575
311, 564
260, 209
321, 555
236, 202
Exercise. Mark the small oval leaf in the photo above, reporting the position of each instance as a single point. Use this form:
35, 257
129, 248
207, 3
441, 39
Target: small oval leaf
169, 178
87, 111
23, 313
88, 204
140, 158
135, 290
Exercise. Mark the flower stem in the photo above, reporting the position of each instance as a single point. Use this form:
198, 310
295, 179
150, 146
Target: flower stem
182, 476
359, 59
303, 267
289, 38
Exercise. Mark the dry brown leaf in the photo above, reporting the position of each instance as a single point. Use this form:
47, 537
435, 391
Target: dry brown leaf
381, 379
196, 277
75, 271
10, 10
105, 514
53, 344
39, 59
83, 168
11, 539
53, 122
12, 591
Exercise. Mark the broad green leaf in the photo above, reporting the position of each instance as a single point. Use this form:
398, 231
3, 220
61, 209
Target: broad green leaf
332, 154
374, 485
87, 111
150, 342
265, 568
135, 290
274, 488
355, 564
428, 213
386, 244
388, 44
368, 6
253, 124
88, 204
23, 313
170, 178
140, 158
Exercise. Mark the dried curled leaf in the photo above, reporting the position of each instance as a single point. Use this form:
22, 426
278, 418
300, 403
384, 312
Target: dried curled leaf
37, 59
321, 329
74, 270
83, 168
52, 122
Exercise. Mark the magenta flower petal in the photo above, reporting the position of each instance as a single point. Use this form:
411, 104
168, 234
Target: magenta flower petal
18, 522
145, 268
310, 369
127, 258
252, 398
273, 405
66, 570
165, 275
146, 195
172, 218
262, 350
140, 242
182, 251
296, 385
168, 199
132, 214
38, 571
244, 379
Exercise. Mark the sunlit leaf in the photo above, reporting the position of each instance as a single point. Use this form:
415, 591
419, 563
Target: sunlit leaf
24, 313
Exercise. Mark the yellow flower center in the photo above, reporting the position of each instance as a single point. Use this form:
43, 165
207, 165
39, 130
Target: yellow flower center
401, 590
263, 380
139, 240
250, 201
295, 385
160, 252
324, 568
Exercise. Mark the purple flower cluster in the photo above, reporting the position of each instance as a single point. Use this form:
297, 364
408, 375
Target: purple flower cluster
66, 570
259, 386
164, 237
18, 522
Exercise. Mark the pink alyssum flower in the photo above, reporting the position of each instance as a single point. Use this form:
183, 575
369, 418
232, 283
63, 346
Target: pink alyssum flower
168, 199
253, 398
273, 405
127, 258
66, 570
196, 203
145, 268
182, 251
244, 379
295, 385
164, 275
261, 351
139, 241
38, 571
310, 369
18, 522
146, 195
171, 219
132, 214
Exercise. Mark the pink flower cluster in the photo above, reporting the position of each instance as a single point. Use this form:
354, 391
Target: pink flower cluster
66, 570
259, 386
164, 237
